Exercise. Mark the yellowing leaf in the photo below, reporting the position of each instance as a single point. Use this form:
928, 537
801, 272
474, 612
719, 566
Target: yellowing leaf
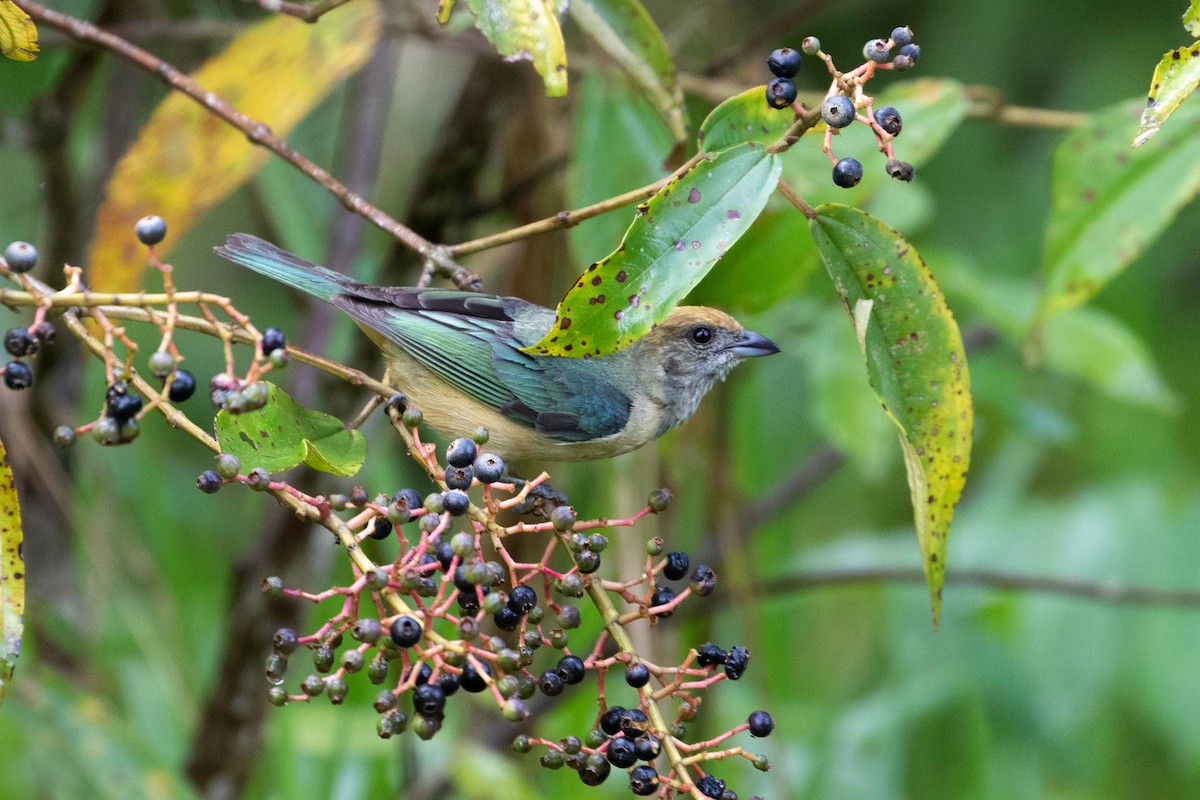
1175, 78
18, 36
915, 364
12, 576
186, 160
1191, 18
526, 29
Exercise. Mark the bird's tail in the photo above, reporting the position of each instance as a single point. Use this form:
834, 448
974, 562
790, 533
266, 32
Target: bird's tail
267, 259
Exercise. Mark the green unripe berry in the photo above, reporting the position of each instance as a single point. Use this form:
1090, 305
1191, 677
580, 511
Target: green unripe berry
258, 479
336, 689
272, 587
412, 417
521, 744
228, 466
276, 667
277, 696
323, 658
64, 436
352, 661
377, 671
257, 394
659, 500
426, 727
312, 685
106, 431
810, 45
462, 544
161, 363
514, 710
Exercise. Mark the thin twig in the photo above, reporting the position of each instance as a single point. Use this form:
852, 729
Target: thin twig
1096, 591
309, 12
257, 133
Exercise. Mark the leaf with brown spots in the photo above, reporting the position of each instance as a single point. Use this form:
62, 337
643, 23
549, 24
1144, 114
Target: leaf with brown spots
12, 576
18, 36
674, 240
1175, 78
284, 433
526, 30
915, 364
185, 160
627, 32
1110, 202
1191, 18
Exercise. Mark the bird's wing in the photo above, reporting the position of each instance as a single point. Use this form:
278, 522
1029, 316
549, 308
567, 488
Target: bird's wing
472, 342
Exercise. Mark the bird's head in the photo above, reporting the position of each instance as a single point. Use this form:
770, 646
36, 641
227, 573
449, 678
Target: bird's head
692, 349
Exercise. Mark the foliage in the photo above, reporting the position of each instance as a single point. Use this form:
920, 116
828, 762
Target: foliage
1063, 254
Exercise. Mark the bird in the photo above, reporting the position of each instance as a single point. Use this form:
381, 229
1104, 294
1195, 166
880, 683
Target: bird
458, 356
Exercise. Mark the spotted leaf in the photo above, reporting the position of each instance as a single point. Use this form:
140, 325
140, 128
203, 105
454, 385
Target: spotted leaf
745, 117
1174, 80
526, 30
915, 364
1109, 202
283, 434
674, 240
12, 576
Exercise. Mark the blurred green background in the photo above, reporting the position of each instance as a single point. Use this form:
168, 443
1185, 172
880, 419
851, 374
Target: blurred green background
142, 603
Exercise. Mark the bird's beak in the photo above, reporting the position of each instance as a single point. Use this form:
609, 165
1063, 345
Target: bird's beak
751, 344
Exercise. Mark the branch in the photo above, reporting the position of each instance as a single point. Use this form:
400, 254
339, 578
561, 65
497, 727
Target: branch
257, 133
1097, 591
309, 13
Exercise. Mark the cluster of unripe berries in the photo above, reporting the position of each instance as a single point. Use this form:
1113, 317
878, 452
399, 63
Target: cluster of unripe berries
839, 110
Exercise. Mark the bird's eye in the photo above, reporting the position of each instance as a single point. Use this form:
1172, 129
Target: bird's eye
701, 334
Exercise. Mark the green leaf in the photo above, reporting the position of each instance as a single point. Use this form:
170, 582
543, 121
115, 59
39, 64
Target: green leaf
18, 35
1110, 202
627, 32
745, 117
1093, 345
915, 363
675, 239
932, 109
12, 575
526, 29
284, 433
1191, 18
1174, 80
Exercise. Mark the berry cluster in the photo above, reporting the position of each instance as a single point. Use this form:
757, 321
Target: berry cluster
23, 343
454, 612
845, 98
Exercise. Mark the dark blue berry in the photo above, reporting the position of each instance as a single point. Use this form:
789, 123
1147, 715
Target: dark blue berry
551, 683
408, 500
709, 655
444, 554
643, 780
709, 786
888, 118
448, 683
506, 619
428, 700
21, 256
20, 342
637, 675
784, 62
459, 477
488, 468
781, 92
760, 723
120, 404
405, 631
424, 673
902, 36
208, 482
471, 680
522, 599
662, 595
588, 561
183, 386
272, 340
150, 230
610, 720
285, 641
647, 747
634, 723
847, 172
676, 566
621, 753
18, 375
383, 529
456, 502
571, 670
837, 111
736, 662
461, 453
876, 50
911, 52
